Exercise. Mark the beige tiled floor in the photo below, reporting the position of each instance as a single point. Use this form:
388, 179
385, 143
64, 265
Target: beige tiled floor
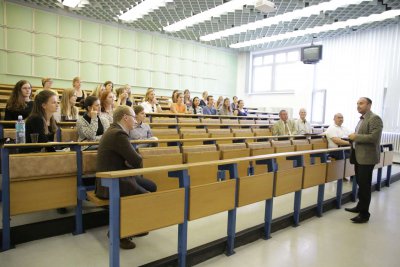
328, 241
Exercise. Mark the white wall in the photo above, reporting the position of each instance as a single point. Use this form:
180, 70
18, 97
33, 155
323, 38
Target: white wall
355, 65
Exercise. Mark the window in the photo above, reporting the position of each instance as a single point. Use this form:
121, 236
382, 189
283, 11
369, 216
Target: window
278, 72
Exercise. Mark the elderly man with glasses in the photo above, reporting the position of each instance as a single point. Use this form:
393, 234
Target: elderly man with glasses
115, 152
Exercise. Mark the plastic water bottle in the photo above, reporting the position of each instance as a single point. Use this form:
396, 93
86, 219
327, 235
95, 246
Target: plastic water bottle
20, 130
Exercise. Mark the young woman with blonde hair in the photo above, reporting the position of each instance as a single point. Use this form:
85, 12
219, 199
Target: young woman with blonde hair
68, 110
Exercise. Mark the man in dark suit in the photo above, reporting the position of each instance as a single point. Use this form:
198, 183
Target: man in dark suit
115, 152
365, 153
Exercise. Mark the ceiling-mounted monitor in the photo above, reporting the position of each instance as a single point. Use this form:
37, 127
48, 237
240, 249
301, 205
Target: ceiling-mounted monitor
311, 54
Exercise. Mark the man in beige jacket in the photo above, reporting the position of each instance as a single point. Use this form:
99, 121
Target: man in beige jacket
284, 126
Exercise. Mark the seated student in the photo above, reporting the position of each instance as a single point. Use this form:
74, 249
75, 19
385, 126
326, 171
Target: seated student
226, 108
142, 130
203, 101
19, 102
196, 108
150, 104
284, 126
302, 125
219, 102
68, 110
123, 97
98, 90
240, 111
108, 86
335, 132
41, 120
235, 103
186, 98
115, 152
80, 94
91, 126
179, 106
209, 109
173, 98
47, 83
107, 105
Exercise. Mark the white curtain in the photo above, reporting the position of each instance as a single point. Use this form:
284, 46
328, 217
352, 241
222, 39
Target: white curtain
362, 64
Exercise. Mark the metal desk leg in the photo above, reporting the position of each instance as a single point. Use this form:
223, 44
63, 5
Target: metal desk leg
297, 206
114, 227
339, 190
320, 201
388, 175
268, 218
379, 180
6, 198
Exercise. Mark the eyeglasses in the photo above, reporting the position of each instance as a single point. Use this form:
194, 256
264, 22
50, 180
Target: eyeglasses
133, 116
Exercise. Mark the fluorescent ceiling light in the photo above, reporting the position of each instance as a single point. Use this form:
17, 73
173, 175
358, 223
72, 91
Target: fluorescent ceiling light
74, 3
289, 16
142, 9
207, 15
325, 28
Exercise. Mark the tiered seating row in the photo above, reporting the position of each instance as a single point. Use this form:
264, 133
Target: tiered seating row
60, 187
229, 194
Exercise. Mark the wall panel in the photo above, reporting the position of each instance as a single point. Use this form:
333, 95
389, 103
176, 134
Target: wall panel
90, 52
127, 39
64, 47
18, 40
68, 69
45, 22
127, 58
45, 67
45, 45
108, 73
90, 31
109, 35
143, 78
158, 79
68, 27
143, 42
69, 48
19, 64
109, 55
18, 16
90, 72
126, 76
172, 81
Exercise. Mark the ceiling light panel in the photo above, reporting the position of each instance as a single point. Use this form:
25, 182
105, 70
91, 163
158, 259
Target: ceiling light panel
215, 12
142, 9
285, 17
320, 29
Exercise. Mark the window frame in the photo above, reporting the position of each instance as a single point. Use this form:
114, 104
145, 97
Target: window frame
262, 54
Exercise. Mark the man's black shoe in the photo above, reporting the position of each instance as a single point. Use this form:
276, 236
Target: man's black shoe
360, 219
126, 243
354, 210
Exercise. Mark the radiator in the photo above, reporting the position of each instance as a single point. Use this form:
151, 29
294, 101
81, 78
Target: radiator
391, 138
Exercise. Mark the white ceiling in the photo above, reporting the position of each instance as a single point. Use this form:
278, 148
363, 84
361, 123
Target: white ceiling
108, 11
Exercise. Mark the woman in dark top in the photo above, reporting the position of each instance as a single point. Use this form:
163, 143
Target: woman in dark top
41, 120
20, 102
80, 94
240, 111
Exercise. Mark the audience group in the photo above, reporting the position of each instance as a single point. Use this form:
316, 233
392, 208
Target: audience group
112, 116
46, 107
